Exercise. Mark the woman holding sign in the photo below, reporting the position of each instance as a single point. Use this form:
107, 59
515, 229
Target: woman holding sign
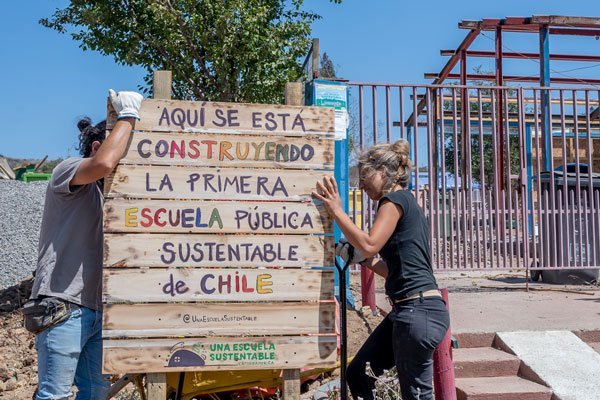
400, 235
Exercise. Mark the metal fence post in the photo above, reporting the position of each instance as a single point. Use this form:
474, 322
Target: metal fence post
443, 367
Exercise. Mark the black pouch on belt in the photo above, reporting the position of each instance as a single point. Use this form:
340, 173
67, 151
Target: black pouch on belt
41, 314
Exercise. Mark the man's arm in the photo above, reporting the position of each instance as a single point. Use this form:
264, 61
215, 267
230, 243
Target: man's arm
108, 155
105, 159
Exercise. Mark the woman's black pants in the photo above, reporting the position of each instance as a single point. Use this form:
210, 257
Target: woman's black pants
406, 338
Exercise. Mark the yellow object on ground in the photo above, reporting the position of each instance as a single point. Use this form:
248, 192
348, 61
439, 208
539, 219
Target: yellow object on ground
203, 382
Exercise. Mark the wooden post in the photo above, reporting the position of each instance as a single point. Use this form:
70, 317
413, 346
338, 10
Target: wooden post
161, 85
157, 383
291, 377
157, 386
291, 384
293, 94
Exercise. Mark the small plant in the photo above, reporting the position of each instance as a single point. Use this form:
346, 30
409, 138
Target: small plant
333, 394
387, 386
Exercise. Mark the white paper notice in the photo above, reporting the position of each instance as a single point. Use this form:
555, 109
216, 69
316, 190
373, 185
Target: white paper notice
341, 124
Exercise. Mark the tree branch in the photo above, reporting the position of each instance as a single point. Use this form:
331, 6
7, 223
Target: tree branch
199, 59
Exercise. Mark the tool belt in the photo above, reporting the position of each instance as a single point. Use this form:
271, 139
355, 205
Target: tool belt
427, 293
45, 312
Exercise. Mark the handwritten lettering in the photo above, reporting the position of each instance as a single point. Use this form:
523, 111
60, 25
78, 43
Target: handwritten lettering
191, 118
161, 217
221, 283
193, 149
165, 182
218, 183
183, 252
174, 288
245, 184
272, 220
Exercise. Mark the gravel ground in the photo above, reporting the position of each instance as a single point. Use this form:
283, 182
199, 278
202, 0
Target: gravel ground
21, 207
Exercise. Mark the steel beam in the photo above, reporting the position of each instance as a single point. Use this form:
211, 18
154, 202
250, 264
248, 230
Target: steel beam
532, 56
517, 78
561, 20
464, 45
575, 32
500, 109
545, 96
585, 30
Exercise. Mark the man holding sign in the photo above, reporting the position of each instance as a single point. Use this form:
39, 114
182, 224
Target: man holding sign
65, 310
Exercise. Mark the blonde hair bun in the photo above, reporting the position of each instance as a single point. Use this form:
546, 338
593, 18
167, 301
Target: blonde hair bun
392, 158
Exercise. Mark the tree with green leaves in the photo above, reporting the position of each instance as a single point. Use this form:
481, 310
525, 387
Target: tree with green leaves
327, 69
217, 50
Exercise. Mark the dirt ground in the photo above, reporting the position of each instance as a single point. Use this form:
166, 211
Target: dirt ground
18, 359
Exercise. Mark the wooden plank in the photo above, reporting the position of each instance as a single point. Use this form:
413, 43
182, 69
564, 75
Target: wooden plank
294, 93
224, 251
165, 216
205, 284
222, 150
161, 84
291, 384
158, 182
218, 353
157, 383
237, 118
119, 385
218, 319
157, 386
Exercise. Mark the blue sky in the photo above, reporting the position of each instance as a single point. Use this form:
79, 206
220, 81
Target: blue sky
49, 83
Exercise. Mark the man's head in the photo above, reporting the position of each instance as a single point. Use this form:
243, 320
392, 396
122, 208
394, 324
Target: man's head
90, 136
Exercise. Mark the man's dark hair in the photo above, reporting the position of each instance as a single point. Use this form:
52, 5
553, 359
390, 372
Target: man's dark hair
88, 134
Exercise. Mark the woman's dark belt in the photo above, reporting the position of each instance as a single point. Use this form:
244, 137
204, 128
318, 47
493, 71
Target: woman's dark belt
427, 293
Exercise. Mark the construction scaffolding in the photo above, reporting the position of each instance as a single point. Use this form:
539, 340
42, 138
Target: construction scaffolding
505, 170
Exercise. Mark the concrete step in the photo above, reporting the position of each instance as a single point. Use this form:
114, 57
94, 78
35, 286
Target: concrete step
560, 359
500, 388
589, 336
479, 362
474, 339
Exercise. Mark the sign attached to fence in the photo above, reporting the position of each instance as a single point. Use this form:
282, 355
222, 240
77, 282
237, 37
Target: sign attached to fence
334, 94
211, 235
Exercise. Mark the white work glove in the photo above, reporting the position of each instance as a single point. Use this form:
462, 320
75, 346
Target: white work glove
342, 250
126, 104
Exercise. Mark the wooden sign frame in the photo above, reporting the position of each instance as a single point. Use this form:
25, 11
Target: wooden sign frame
216, 256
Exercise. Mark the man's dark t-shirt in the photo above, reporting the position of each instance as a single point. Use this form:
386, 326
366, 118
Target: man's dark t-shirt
407, 252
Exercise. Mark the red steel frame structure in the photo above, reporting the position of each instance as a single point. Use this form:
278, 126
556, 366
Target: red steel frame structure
516, 222
544, 26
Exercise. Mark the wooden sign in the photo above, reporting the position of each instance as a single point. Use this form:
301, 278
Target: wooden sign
158, 182
220, 150
215, 255
235, 118
219, 353
167, 216
224, 251
157, 285
220, 319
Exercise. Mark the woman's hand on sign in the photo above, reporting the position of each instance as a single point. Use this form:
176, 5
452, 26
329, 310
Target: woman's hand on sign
327, 192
